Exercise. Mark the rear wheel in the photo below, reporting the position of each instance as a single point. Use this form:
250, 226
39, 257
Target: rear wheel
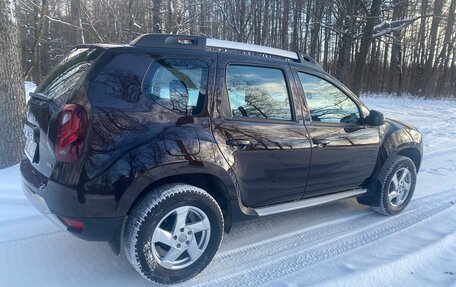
398, 179
173, 233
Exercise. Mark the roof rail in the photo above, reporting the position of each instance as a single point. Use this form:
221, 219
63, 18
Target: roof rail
231, 45
201, 43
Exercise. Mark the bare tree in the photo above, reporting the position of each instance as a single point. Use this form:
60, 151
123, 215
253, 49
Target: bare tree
430, 62
393, 46
366, 40
77, 20
39, 29
12, 99
156, 18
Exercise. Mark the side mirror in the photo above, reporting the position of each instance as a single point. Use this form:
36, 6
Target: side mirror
375, 118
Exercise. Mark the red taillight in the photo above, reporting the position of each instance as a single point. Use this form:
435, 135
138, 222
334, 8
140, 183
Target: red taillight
71, 133
75, 224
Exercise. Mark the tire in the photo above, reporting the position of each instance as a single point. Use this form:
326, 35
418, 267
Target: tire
397, 184
173, 233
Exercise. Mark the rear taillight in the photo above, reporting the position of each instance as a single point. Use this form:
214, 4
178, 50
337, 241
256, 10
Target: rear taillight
73, 224
71, 133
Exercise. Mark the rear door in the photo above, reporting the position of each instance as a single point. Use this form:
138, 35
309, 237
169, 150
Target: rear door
344, 150
259, 129
44, 105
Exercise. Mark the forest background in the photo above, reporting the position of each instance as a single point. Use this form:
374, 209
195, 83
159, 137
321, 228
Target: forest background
378, 46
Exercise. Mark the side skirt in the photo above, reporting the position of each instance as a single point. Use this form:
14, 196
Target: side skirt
294, 205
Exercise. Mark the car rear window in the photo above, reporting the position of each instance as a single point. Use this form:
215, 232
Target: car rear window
59, 84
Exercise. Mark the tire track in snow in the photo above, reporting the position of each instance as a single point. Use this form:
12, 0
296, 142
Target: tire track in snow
293, 258
298, 239
316, 233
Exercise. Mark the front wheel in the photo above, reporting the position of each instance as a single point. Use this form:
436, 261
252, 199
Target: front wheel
173, 233
398, 179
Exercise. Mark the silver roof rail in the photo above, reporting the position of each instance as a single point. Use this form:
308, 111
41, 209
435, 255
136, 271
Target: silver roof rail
201, 43
223, 44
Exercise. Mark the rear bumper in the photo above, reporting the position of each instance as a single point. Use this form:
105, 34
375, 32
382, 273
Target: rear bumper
39, 203
43, 195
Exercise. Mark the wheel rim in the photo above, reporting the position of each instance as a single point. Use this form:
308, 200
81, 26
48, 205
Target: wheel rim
181, 237
399, 187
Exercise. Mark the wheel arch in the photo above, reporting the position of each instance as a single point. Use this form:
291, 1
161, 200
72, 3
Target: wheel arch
214, 179
209, 182
414, 154
411, 150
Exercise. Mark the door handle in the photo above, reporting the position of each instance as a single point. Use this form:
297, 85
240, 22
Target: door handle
321, 143
241, 144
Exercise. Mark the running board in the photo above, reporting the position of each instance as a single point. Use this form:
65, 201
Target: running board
309, 202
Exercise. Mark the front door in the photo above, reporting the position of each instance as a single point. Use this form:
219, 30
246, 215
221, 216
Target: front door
344, 150
260, 131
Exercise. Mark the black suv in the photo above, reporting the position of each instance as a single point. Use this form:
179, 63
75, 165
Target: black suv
162, 144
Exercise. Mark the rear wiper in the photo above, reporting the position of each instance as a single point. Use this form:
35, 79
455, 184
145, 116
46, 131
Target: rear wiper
40, 96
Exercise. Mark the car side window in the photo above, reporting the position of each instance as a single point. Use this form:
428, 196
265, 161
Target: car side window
177, 84
119, 81
327, 103
258, 92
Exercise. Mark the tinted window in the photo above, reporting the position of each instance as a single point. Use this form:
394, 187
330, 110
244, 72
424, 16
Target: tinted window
178, 84
62, 80
120, 80
258, 92
327, 103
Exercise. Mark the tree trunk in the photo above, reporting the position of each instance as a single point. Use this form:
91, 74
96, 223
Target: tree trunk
428, 67
39, 27
295, 30
360, 62
78, 36
285, 20
202, 20
131, 19
385, 67
397, 72
242, 14
264, 34
308, 12
422, 32
445, 54
156, 17
327, 40
315, 30
347, 16
11, 88
420, 51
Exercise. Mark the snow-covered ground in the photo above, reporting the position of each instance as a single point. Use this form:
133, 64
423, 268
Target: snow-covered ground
338, 244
